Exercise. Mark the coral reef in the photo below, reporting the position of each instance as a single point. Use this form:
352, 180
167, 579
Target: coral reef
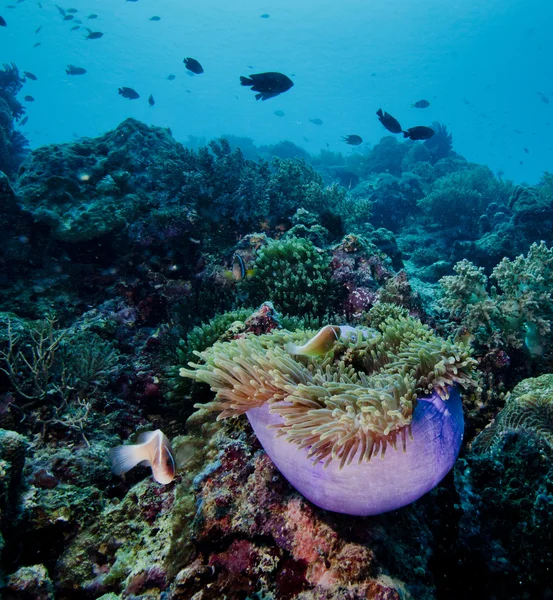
517, 313
13, 145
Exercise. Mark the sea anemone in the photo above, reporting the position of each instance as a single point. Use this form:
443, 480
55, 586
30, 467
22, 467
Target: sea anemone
325, 420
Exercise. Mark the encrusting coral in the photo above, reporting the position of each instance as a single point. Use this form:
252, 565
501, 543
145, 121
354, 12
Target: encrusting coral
353, 401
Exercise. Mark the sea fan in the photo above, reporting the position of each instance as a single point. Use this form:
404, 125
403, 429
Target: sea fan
440, 144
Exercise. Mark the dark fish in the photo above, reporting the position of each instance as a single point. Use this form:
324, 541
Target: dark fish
388, 121
93, 35
419, 133
151, 100
421, 104
170, 77
279, 113
193, 65
38, 29
353, 140
526, 150
131, 0
3, 22
72, 70
68, 18
29, 99
316, 121
62, 10
268, 85
77, 21
75, 27
154, 19
129, 93
24, 121
265, 16
37, 44
71, 10
92, 16
29, 75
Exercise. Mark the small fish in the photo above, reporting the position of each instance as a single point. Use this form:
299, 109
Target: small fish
68, 18
238, 267
37, 44
421, 104
268, 85
170, 77
24, 121
264, 16
38, 28
316, 121
353, 140
3, 22
78, 21
71, 10
325, 340
29, 99
419, 133
72, 70
193, 65
62, 10
151, 100
388, 121
93, 35
29, 75
75, 27
154, 19
318, 345
526, 150
131, 0
92, 16
153, 449
279, 113
129, 93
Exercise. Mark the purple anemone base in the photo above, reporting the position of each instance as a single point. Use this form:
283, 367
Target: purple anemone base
382, 484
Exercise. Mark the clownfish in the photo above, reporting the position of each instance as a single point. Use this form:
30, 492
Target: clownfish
325, 339
153, 449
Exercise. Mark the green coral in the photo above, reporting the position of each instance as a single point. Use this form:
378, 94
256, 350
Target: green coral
460, 198
516, 313
529, 407
294, 275
359, 396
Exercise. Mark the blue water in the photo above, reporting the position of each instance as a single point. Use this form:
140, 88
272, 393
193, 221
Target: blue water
484, 65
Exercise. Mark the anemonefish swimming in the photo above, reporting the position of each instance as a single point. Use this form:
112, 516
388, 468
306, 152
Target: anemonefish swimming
325, 340
153, 449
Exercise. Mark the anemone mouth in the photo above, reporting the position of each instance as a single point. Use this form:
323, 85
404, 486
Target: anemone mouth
353, 402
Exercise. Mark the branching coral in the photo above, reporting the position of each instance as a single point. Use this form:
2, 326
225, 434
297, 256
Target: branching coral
465, 194
519, 311
353, 402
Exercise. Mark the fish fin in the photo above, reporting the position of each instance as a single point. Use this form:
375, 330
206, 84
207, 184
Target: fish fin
259, 96
250, 273
292, 348
146, 436
245, 80
124, 458
405, 134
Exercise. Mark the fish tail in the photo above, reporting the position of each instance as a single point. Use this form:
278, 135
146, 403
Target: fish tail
245, 80
292, 348
124, 458
405, 134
